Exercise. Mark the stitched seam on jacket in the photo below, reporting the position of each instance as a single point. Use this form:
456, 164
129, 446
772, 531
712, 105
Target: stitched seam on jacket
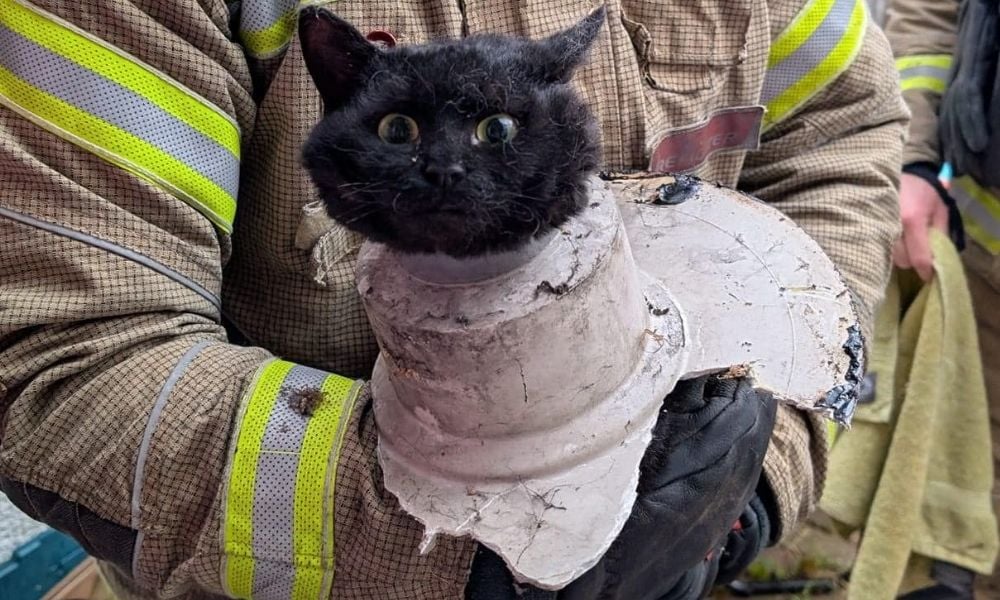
115, 249
147, 436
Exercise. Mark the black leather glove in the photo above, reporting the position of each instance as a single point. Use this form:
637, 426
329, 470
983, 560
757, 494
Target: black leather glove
970, 110
750, 534
697, 478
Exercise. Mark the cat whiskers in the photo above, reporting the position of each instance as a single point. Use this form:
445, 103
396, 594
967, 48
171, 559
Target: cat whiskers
357, 218
356, 214
359, 211
350, 193
395, 199
360, 185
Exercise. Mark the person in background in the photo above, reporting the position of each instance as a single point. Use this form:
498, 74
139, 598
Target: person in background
947, 53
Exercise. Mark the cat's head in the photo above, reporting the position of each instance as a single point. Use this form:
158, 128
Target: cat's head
462, 147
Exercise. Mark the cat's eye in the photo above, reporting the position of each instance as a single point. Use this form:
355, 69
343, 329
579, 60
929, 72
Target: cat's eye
496, 129
395, 128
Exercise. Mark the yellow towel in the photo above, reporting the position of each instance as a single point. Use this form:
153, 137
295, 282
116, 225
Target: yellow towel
915, 471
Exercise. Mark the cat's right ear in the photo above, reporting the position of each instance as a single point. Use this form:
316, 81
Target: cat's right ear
335, 53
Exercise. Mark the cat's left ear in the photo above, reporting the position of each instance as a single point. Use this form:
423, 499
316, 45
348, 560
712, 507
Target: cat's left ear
335, 53
564, 51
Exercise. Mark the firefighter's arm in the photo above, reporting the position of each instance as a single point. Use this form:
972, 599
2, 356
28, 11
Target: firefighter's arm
829, 159
922, 34
126, 418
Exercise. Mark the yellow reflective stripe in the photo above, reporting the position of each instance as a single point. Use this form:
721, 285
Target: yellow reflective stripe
981, 220
130, 152
238, 526
268, 42
836, 62
315, 481
53, 33
799, 30
924, 72
923, 83
982, 237
990, 202
282, 476
941, 61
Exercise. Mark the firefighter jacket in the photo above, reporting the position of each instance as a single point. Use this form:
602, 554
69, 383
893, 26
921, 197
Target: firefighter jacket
923, 34
182, 346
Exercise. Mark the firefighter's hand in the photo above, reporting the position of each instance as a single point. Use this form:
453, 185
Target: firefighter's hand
696, 480
920, 209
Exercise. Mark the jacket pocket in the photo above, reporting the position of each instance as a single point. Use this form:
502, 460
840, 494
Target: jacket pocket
686, 47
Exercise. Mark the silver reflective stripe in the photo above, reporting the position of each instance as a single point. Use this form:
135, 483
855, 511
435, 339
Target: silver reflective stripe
974, 208
151, 423
258, 15
811, 53
119, 106
113, 249
274, 495
925, 71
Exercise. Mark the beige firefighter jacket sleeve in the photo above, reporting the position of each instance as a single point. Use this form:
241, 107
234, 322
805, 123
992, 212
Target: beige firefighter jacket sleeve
141, 405
922, 34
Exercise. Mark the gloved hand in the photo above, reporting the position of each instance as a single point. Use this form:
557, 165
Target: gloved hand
970, 112
697, 478
749, 535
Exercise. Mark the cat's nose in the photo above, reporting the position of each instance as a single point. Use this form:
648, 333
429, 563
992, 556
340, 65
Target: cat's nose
444, 176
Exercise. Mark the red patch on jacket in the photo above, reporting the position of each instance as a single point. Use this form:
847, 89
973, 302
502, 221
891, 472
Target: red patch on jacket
686, 148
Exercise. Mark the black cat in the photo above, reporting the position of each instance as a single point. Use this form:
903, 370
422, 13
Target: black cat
462, 147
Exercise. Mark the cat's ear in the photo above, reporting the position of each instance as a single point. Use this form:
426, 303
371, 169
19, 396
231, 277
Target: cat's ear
563, 52
335, 53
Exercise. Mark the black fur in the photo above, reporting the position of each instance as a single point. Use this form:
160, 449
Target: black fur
501, 195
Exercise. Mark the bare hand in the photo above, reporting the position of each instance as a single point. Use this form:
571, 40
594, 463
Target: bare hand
920, 209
